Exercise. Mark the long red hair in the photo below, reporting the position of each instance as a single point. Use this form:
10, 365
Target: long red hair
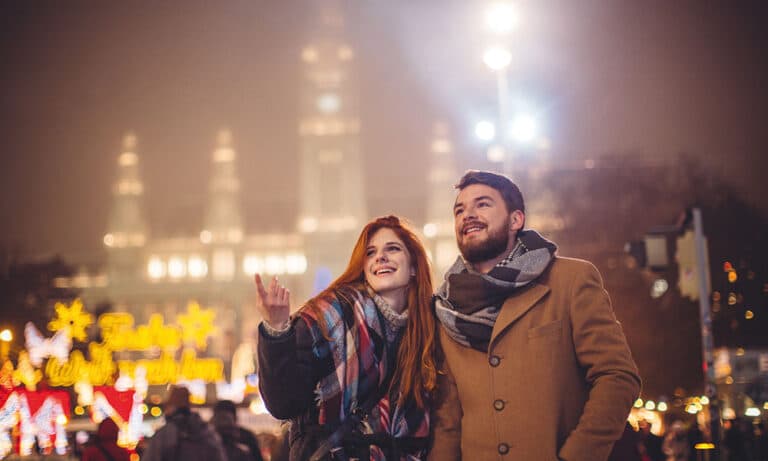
416, 370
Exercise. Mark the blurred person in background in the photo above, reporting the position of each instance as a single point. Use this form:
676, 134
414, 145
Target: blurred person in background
242, 435
354, 369
185, 436
105, 447
536, 365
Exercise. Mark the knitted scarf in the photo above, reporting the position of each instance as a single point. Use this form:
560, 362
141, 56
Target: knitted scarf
468, 302
355, 338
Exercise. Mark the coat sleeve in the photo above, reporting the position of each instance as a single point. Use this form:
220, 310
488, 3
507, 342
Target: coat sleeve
288, 370
446, 418
610, 371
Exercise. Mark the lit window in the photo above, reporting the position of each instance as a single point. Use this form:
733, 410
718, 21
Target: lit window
274, 265
345, 53
176, 267
309, 54
197, 267
295, 264
156, 268
253, 264
328, 103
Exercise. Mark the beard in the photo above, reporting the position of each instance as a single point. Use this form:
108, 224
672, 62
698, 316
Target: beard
491, 247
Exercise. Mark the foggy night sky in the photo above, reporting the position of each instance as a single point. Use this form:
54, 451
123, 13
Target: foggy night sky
654, 78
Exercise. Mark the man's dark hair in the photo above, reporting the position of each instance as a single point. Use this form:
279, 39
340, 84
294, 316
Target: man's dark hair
509, 191
225, 406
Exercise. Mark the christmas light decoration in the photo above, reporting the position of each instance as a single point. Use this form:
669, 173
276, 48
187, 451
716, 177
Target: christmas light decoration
196, 324
72, 317
40, 347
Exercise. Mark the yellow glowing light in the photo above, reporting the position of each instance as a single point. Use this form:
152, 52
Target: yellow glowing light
704, 446
639, 403
650, 405
79, 411
72, 317
704, 400
727, 266
6, 335
732, 276
662, 406
196, 324
739, 351
143, 408
206, 236
61, 419
155, 411
691, 408
295, 263
729, 380
134, 457
109, 240
765, 406
731, 299
749, 315
753, 412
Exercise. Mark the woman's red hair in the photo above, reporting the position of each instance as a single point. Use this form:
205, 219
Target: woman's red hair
416, 370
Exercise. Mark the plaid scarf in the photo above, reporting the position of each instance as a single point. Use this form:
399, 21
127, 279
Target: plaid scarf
468, 302
363, 360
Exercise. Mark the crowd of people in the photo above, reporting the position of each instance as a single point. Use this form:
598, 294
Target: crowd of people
742, 440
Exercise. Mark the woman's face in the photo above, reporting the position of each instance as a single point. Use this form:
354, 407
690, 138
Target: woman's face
388, 266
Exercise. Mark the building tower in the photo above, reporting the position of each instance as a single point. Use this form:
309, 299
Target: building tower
126, 228
223, 222
442, 176
332, 200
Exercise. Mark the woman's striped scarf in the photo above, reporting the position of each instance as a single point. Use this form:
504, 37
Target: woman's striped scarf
353, 334
468, 302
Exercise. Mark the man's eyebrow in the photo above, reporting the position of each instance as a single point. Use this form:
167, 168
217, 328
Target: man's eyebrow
476, 199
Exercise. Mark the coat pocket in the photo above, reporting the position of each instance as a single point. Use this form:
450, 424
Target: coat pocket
548, 330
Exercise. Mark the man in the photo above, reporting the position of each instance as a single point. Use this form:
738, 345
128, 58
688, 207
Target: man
536, 365
185, 435
241, 435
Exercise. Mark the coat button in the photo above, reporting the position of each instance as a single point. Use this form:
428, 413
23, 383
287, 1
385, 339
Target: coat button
503, 448
494, 360
498, 404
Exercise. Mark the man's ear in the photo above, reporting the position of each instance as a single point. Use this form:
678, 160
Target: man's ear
516, 220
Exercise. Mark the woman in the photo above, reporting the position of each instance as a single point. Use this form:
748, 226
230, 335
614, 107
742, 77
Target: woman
354, 369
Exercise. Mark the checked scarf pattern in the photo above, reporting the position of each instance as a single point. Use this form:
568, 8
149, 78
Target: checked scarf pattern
363, 360
468, 302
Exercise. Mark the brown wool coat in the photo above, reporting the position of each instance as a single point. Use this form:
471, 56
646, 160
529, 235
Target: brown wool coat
563, 381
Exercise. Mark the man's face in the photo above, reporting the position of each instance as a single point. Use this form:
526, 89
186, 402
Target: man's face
484, 228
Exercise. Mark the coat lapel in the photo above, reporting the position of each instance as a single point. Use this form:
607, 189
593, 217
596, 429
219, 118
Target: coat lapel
515, 306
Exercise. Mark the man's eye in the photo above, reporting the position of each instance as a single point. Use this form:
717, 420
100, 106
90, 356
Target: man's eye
457, 212
483, 204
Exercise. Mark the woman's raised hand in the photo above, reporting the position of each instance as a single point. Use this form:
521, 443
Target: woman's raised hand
273, 303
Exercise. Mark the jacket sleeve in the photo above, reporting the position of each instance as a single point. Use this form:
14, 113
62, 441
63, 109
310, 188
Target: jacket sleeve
446, 418
288, 370
610, 371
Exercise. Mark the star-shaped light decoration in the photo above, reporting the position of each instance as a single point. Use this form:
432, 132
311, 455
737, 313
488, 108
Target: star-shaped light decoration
25, 373
196, 324
72, 317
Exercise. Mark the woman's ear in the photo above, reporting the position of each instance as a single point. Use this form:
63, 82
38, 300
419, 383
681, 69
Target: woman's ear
413, 271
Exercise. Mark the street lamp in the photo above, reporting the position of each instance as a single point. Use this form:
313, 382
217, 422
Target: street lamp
6, 336
501, 18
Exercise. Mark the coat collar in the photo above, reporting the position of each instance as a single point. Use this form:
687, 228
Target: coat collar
514, 308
